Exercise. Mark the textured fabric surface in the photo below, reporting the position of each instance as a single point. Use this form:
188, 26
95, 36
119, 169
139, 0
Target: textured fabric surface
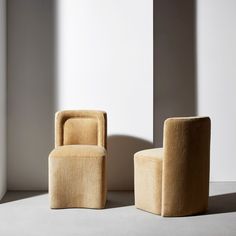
73, 131
77, 165
148, 179
77, 181
153, 153
88, 127
78, 151
180, 180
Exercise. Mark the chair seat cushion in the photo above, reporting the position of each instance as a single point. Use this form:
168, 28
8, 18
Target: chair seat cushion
148, 179
78, 151
154, 153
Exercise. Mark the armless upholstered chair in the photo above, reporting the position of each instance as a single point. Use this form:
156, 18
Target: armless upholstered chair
77, 165
174, 180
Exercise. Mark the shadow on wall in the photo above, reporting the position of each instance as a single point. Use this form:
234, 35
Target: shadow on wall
222, 203
31, 86
121, 151
174, 62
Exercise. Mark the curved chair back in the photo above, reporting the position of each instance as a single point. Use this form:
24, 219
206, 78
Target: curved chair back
80, 127
185, 184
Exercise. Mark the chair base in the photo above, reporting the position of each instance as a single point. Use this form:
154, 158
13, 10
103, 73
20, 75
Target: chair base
76, 205
77, 182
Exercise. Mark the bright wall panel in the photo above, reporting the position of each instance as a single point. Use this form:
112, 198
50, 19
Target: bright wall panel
216, 47
105, 61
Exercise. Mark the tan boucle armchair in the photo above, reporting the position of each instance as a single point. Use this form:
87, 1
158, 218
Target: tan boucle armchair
77, 165
174, 180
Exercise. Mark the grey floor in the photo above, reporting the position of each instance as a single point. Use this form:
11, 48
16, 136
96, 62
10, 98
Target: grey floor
27, 213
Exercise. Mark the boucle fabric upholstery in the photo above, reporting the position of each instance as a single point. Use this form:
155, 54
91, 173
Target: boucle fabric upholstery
77, 165
148, 178
80, 127
174, 181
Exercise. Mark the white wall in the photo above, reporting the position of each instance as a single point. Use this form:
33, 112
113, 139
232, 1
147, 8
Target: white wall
216, 37
105, 61
2, 98
30, 92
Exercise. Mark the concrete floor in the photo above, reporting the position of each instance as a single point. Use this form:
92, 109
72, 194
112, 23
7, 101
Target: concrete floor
27, 213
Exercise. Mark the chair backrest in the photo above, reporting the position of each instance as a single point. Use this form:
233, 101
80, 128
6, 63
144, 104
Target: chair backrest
80, 127
185, 184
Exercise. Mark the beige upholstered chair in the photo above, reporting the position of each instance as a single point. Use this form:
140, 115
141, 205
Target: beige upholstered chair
77, 165
174, 180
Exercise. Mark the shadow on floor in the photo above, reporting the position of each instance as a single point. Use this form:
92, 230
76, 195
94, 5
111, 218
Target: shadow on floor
119, 199
223, 203
114, 198
11, 196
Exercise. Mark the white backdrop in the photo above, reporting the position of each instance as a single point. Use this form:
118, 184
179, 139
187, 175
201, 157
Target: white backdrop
102, 57
105, 61
216, 37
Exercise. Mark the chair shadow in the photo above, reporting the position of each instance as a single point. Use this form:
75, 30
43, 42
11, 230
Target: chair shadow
11, 196
224, 203
121, 149
119, 199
